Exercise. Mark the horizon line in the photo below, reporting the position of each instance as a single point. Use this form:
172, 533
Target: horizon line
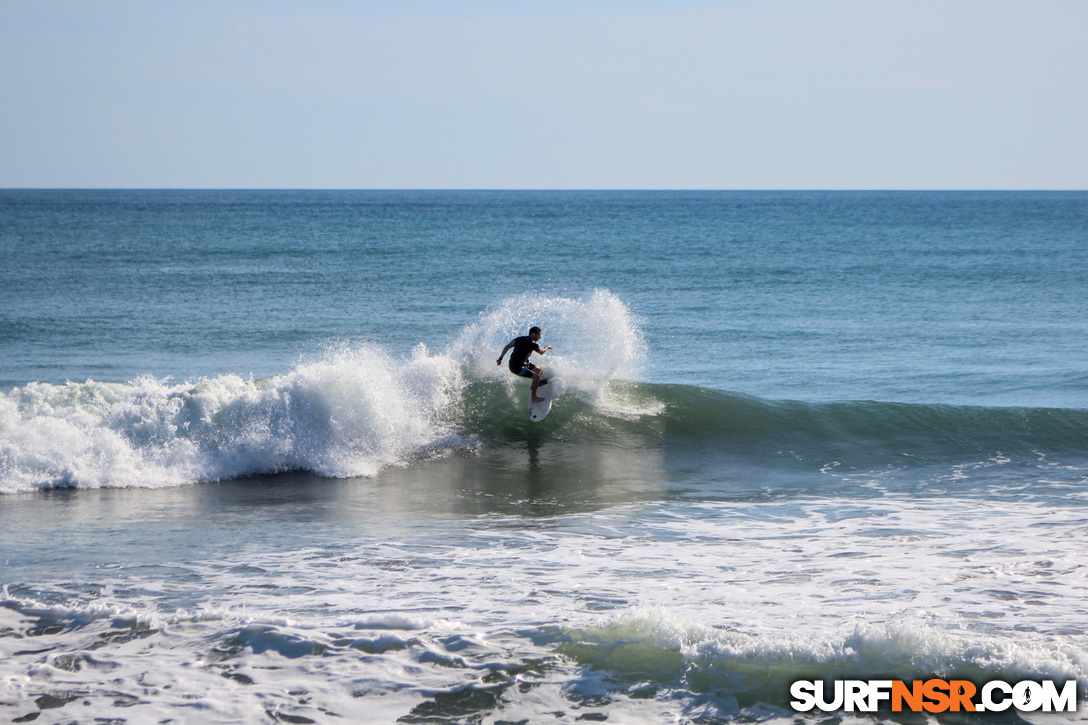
547, 189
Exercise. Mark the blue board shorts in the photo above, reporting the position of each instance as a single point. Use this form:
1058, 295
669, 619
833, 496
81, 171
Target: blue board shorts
527, 370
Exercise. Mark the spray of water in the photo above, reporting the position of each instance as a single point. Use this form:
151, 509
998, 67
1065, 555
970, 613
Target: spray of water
351, 412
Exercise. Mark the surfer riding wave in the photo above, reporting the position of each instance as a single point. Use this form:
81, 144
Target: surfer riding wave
523, 347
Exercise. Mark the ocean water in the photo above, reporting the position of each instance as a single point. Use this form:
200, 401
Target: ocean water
258, 464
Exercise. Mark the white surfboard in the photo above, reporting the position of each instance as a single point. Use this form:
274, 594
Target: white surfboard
549, 391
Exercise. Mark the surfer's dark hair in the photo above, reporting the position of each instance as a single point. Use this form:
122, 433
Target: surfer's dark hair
534, 329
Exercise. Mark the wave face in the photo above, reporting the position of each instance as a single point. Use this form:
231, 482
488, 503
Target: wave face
927, 432
653, 650
357, 410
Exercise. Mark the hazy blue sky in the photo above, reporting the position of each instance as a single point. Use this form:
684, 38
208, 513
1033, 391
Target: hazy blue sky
736, 94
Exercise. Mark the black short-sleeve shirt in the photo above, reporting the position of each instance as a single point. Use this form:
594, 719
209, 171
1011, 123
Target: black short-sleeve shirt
523, 347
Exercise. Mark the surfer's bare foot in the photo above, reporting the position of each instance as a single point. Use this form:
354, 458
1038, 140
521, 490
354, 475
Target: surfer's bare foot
538, 399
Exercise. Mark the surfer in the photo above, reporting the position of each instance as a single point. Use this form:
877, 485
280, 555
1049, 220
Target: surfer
525, 346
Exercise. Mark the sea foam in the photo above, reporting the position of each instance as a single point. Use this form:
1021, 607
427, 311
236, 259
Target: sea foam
347, 414
350, 412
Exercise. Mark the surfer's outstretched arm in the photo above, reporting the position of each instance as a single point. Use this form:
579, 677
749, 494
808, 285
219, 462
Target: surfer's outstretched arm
504, 351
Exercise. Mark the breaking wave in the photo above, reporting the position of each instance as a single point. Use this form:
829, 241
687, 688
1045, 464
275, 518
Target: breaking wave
358, 409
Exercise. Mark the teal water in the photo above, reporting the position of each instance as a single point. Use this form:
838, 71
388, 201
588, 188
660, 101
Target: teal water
916, 297
257, 463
